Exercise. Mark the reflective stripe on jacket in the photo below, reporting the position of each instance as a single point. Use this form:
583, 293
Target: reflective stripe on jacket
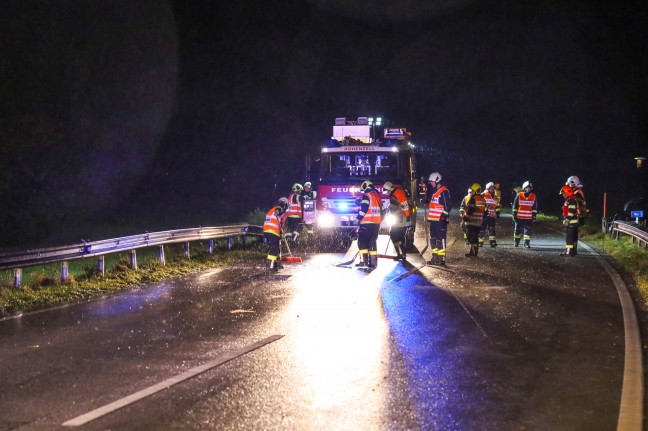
437, 208
399, 208
274, 224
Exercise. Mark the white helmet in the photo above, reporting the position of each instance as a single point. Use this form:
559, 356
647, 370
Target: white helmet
389, 186
573, 181
527, 184
435, 177
489, 185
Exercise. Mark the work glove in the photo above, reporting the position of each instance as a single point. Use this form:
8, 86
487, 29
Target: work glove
565, 222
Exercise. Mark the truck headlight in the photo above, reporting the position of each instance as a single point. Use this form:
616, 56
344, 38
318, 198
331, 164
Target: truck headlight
325, 219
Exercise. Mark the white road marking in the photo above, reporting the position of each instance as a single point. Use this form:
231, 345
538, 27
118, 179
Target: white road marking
631, 408
116, 405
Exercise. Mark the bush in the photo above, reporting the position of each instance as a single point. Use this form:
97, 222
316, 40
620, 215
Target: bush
256, 217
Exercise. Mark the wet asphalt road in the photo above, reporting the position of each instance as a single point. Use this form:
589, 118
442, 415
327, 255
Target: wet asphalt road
515, 339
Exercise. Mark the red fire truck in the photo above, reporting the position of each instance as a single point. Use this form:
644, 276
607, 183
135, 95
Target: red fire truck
352, 156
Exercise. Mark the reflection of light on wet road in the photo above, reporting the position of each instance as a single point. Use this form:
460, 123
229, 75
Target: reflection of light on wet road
130, 302
340, 341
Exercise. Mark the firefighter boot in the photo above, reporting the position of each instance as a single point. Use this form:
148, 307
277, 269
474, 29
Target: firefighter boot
517, 242
372, 260
364, 257
471, 252
398, 252
527, 244
434, 260
575, 249
442, 260
272, 265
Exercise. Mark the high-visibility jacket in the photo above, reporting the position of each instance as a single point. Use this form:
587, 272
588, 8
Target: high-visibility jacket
370, 208
570, 212
492, 202
399, 208
524, 206
295, 209
439, 204
274, 224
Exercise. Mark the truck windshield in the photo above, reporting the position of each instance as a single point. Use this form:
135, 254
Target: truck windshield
341, 166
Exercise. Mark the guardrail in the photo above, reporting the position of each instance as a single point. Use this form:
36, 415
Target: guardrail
617, 227
20, 259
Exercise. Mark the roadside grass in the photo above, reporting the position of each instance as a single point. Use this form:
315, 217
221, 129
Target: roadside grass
42, 287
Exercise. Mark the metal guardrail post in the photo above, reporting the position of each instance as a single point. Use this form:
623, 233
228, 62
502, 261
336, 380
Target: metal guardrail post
161, 255
230, 242
101, 265
187, 253
17, 277
133, 259
211, 246
64, 271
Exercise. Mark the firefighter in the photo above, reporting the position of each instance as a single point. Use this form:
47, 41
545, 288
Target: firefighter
438, 217
524, 212
309, 193
399, 209
295, 211
570, 220
473, 210
575, 183
370, 215
492, 212
421, 190
498, 193
272, 230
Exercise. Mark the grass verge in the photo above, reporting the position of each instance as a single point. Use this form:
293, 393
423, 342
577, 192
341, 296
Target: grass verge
43, 287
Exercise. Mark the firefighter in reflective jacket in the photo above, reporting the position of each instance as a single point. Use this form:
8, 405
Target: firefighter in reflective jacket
473, 211
295, 211
369, 217
272, 230
524, 212
570, 220
438, 216
402, 218
492, 212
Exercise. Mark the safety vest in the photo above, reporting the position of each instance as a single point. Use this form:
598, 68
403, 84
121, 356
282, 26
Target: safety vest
295, 208
492, 204
399, 208
274, 224
375, 205
525, 206
436, 209
477, 217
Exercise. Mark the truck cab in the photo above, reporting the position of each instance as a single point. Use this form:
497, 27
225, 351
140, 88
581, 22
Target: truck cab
352, 156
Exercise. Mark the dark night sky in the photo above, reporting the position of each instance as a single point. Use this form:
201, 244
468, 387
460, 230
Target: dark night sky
171, 114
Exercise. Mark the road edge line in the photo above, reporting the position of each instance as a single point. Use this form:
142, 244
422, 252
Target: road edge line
631, 406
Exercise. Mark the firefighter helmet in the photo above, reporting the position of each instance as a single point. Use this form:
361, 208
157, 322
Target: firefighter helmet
489, 185
573, 181
435, 177
527, 184
296, 188
282, 205
307, 184
567, 190
389, 186
476, 188
366, 185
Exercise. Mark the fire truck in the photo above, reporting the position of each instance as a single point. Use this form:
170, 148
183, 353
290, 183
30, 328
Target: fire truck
353, 155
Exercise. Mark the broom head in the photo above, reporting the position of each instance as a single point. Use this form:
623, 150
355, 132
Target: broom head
291, 259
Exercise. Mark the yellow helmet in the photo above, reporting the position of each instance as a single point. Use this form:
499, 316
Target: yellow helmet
366, 185
476, 188
297, 188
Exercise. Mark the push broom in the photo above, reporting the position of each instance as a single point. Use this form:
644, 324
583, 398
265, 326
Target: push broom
290, 258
